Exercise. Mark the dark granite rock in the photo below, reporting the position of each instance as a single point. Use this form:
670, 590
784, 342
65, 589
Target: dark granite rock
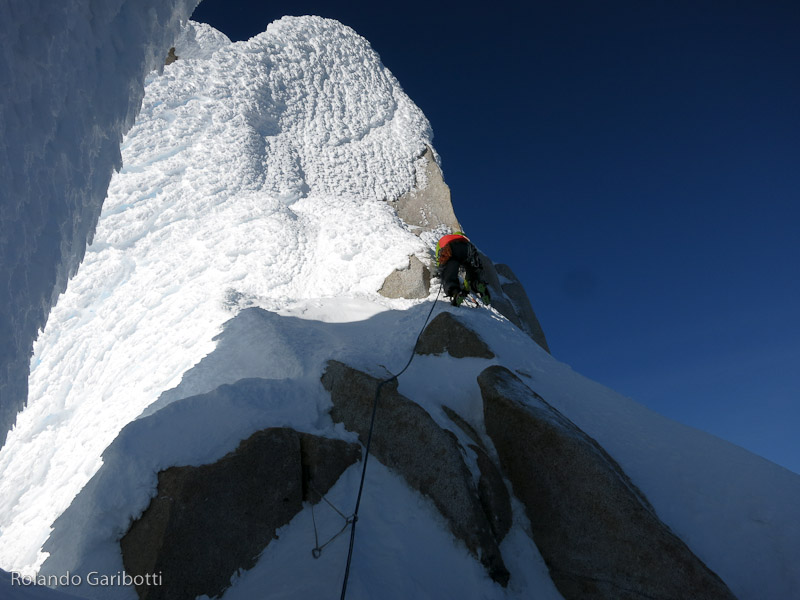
493, 494
515, 292
447, 334
510, 300
492, 490
324, 460
463, 425
208, 522
171, 57
600, 537
407, 440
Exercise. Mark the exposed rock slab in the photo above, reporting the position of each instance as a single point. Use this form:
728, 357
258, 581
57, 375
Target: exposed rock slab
208, 522
510, 299
493, 494
323, 461
515, 292
408, 440
463, 425
427, 205
412, 282
597, 533
492, 490
447, 334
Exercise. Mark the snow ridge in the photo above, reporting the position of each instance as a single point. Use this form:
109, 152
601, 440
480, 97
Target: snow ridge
240, 247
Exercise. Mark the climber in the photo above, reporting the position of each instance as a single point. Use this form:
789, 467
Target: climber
452, 252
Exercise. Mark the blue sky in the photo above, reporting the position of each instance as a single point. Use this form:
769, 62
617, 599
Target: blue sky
637, 164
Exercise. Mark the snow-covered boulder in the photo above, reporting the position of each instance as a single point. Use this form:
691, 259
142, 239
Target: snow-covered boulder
446, 333
492, 488
409, 441
600, 537
208, 522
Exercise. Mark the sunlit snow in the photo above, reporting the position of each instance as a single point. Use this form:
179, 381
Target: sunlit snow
240, 247
241, 179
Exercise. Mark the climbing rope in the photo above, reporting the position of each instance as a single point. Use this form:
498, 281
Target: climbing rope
354, 518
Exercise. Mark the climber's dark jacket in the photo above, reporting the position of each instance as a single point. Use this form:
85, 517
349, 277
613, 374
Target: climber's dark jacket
452, 252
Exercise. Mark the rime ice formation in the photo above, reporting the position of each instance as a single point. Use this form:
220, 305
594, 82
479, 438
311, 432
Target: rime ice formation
241, 247
72, 74
259, 175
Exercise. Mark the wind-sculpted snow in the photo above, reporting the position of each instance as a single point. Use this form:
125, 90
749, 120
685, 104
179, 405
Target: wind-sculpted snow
257, 171
72, 74
256, 177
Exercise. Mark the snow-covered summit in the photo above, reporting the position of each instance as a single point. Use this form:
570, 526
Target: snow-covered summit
256, 172
199, 41
241, 246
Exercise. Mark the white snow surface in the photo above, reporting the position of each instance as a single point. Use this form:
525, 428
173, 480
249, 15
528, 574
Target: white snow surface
239, 249
258, 172
71, 81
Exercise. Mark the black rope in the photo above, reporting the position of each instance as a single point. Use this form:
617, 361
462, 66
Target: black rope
369, 441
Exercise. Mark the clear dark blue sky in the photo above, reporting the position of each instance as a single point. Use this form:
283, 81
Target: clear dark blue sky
637, 164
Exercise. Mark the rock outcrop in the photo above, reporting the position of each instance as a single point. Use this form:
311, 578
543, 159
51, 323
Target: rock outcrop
171, 57
427, 205
521, 304
492, 489
493, 494
447, 334
510, 299
407, 440
412, 282
208, 522
598, 534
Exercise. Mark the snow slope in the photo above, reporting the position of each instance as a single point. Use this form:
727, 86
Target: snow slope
72, 75
240, 247
736, 510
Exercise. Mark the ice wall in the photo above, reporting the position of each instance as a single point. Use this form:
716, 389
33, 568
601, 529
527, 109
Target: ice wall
71, 82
